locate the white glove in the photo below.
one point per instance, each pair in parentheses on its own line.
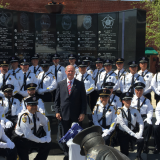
(105,133)
(9,124)
(148,121)
(138,136)
(157,122)
(3,125)
(10,145)
(3,145)
(43,140)
(48,139)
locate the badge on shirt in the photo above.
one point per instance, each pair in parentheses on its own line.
(115,100)
(9,78)
(37,119)
(135,114)
(30,77)
(14,102)
(109,77)
(109,110)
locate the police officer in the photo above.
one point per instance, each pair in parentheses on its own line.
(14,61)
(87,60)
(46,82)
(87,79)
(31,89)
(7,147)
(92,145)
(35,68)
(155,83)
(72,61)
(127,117)
(156,130)
(145,108)
(96,74)
(119,71)
(143,62)
(25,77)
(127,81)
(11,108)
(56,69)
(33,130)
(113,100)
(7,78)
(104,115)
(107,76)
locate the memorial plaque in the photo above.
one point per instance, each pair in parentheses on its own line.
(6,34)
(66,26)
(45,34)
(108,31)
(24,34)
(87,32)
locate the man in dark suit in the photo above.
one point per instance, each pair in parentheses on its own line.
(70,101)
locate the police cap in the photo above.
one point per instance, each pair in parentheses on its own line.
(14,59)
(107,62)
(119,60)
(83,64)
(35,56)
(25,61)
(44,63)
(139,85)
(86,59)
(8,87)
(104,93)
(98,60)
(32,101)
(109,85)
(127,96)
(55,56)
(72,56)
(143,60)
(4,63)
(31,86)
(133,64)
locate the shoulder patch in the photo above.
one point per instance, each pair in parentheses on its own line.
(118,111)
(24,118)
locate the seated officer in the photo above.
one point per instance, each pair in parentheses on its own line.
(30,132)
(156,130)
(113,100)
(145,108)
(104,116)
(46,83)
(11,108)
(86,78)
(127,118)
(31,89)
(35,68)
(7,147)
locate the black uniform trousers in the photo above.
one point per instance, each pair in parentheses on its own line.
(46,97)
(66,126)
(157,98)
(10,154)
(109,138)
(8,131)
(23,146)
(156,132)
(124,138)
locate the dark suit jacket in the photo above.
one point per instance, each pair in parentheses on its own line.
(70,106)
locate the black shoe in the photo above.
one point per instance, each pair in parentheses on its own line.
(156,151)
(131,147)
(66,158)
(145,148)
(139,158)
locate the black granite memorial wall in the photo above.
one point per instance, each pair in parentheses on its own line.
(109,35)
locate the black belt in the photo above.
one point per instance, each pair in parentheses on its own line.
(143,115)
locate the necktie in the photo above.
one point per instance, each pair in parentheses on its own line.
(13,73)
(138,104)
(118,73)
(42,81)
(24,82)
(34,70)
(9,108)
(132,89)
(104,119)
(35,128)
(129,118)
(96,78)
(3,79)
(82,78)
(142,74)
(56,72)
(69,87)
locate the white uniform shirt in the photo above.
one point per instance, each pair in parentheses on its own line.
(40,105)
(156,83)
(110,115)
(38,69)
(112,77)
(126,81)
(61,75)
(49,82)
(122,72)
(16,107)
(90,71)
(88,82)
(30,79)
(2,115)
(76,69)
(135,117)
(25,128)
(157,112)
(16,72)
(10,80)
(146,108)
(114,100)
(148,78)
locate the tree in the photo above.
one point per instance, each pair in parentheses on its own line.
(152,21)
(3,5)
